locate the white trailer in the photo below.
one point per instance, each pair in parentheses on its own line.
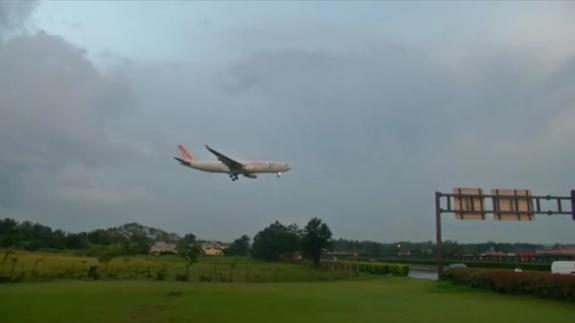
(563,267)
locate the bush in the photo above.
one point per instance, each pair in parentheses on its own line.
(93,273)
(161,274)
(183,277)
(531,283)
(367,267)
(403,270)
(205,278)
(5,278)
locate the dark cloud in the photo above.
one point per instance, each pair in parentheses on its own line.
(55,112)
(13,15)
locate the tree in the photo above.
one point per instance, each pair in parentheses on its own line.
(189,238)
(451,248)
(8,232)
(137,243)
(76,241)
(189,252)
(275,240)
(240,247)
(317,237)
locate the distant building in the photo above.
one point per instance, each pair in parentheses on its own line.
(294,256)
(162,247)
(404,253)
(542,255)
(338,255)
(564,252)
(213,248)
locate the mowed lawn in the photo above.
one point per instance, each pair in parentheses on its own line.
(389,299)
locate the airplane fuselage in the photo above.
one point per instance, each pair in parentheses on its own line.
(250,167)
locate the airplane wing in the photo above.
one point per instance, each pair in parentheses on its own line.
(232,164)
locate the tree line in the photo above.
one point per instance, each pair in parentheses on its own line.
(130,238)
(271,243)
(427,249)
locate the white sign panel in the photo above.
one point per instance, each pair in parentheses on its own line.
(468,203)
(512,205)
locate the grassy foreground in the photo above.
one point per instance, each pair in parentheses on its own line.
(383,300)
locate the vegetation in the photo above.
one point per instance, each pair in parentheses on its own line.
(316,239)
(190,253)
(508,282)
(240,247)
(375,268)
(22,266)
(128,239)
(421,250)
(133,238)
(106,275)
(389,299)
(276,240)
(472,264)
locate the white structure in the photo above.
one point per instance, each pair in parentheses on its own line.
(162,247)
(563,267)
(213,248)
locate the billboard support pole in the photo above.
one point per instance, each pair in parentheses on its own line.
(438,244)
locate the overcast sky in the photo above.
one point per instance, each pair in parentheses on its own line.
(374,105)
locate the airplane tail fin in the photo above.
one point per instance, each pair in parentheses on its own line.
(184,153)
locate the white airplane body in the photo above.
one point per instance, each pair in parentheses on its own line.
(229,166)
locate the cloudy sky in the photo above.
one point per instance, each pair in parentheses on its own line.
(374,105)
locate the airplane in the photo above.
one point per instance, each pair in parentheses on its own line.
(230,166)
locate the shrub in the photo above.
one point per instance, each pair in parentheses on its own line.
(93,273)
(5,278)
(161,274)
(205,278)
(183,277)
(19,277)
(368,267)
(403,270)
(531,283)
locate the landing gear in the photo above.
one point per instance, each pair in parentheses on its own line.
(279,174)
(234,177)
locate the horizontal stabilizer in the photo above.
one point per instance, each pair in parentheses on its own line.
(183,162)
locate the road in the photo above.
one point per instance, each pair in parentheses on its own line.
(418,272)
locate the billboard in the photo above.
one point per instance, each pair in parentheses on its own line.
(468,203)
(512,205)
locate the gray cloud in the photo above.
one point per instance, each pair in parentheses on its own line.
(13,15)
(55,112)
(370,137)
(370,124)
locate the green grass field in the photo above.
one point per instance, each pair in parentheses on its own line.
(56,287)
(388,299)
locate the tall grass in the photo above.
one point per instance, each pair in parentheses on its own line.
(18,266)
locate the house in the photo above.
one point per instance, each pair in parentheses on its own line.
(213,248)
(163,247)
